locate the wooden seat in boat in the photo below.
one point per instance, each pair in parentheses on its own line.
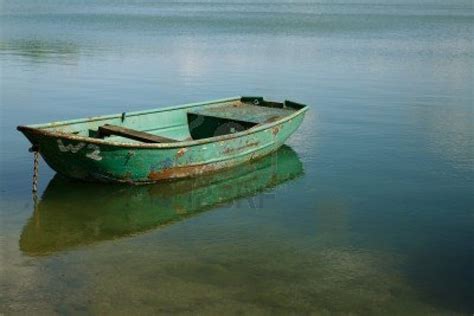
(108,130)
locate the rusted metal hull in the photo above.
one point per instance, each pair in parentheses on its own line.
(77,156)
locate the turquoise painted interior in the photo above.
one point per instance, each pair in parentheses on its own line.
(185,122)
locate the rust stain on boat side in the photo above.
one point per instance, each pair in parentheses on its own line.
(231,150)
(275,130)
(180,172)
(181,152)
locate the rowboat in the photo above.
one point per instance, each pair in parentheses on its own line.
(166,143)
(61,221)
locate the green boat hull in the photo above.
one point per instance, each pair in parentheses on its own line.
(71,149)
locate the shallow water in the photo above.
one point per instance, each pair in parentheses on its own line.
(368,211)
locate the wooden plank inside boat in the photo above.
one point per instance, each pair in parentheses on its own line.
(108,130)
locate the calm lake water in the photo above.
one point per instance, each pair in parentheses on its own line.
(368,210)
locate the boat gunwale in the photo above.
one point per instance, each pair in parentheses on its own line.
(40,129)
(128,114)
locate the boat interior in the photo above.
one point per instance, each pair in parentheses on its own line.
(182,123)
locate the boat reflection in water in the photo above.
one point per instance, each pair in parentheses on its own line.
(77,213)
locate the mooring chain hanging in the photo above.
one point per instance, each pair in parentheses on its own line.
(36,156)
